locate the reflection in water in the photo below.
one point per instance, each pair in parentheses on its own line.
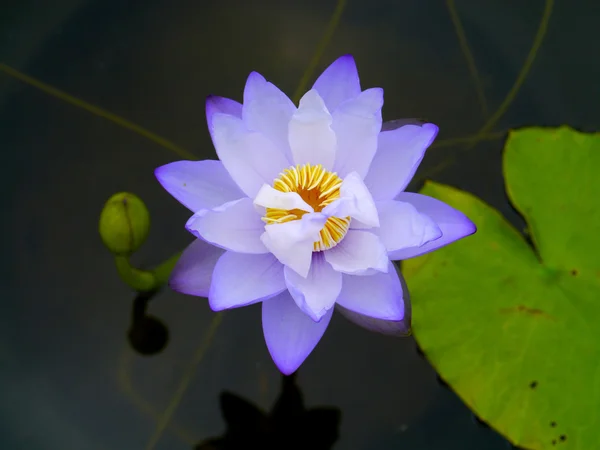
(289,425)
(147,334)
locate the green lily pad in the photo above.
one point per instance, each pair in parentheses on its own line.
(515,331)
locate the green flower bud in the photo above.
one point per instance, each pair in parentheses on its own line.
(124,223)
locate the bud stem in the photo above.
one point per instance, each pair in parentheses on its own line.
(145,280)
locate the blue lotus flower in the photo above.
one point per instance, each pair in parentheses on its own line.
(306,209)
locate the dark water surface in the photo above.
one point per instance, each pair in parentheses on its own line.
(68,378)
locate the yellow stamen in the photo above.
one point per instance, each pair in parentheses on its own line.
(318,188)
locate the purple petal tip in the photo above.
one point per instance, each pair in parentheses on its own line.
(210,101)
(473,228)
(254,75)
(434,129)
(159,173)
(431,126)
(286,370)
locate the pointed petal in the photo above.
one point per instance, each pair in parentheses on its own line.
(402,226)
(289,333)
(193,272)
(355,201)
(242,279)
(399,153)
(250,158)
(216,104)
(315,294)
(387,327)
(269,197)
(358,251)
(310,135)
(268,111)
(339,82)
(198,184)
(453,224)
(379,296)
(357,123)
(292,242)
(235,226)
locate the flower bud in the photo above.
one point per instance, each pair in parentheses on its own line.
(124,223)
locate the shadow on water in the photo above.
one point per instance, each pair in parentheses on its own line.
(289,425)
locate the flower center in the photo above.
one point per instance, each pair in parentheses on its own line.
(318,188)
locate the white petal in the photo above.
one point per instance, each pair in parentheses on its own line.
(268,110)
(272,198)
(355,201)
(289,333)
(242,279)
(292,242)
(316,294)
(379,296)
(193,272)
(250,158)
(399,153)
(358,251)
(234,226)
(198,184)
(357,124)
(310,135)
(402,226)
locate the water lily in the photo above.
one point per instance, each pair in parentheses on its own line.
(305,210)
